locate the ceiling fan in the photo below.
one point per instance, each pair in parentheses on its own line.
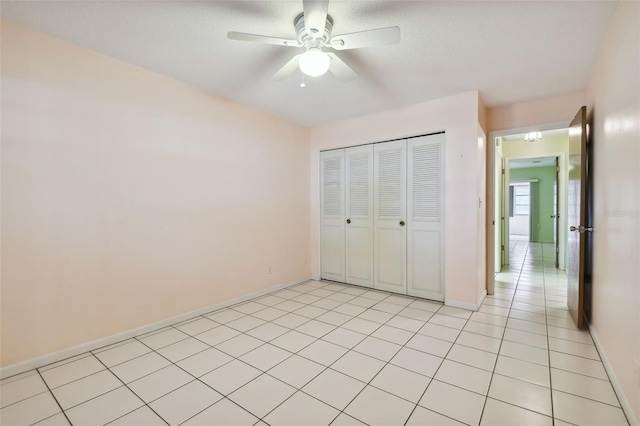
(313,27)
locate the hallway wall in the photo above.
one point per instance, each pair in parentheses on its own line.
(613,100)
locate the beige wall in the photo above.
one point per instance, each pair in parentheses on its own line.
(458,116)
(131,197)
(613,98)
(531,113)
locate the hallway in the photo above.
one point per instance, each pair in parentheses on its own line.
(541,346)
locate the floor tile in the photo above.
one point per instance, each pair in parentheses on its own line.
(464,376)
(248,307)
(367,303)
(336,389)
(361,325)
(527,316)
(453,402)
(344,337)
(416,314)
(262,395)
(293,341)
(289,306)
(217,335)
(526,338)
(393,334)
(349,309)
(185,402)
(447,321)
(163,338)
(224,316)
(429,345)
(399,300)
(579,365)
(139,367)
(160,383)
(315,328)
(439,332)
(491,319)
(322,352)
(573,348)
(523,394)
(401,382)
(21,388)
(484,329)
(81,390)
(327,304)
(197,326)
(268,331)
(291,320)
(581,411)
(105,408)
(417,361)
(586,387)
(525,353)
(425,305)
(230,377)
(115,355)
(302,409)
(377,348)
(143,416)
(265,357)
(71,371)
(498,413)
(204,362)
(579,336)
(310,311)
(390,308)
(523,370)
(376,316)
(30,410)
(473,357)
(478,341)
(183,349)
(296,371)
(57,420)
(269,314)
(405,323)
(376,407)
(334,318)
(306,299)
(239,345)
(223,412)
(346,420)
(245,323)
(421,417)
(531,327)
(358,366)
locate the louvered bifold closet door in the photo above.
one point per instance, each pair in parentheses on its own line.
(332,215)
(359,223)
(425,205)
(390,204)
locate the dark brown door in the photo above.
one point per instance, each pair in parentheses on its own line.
(577,191)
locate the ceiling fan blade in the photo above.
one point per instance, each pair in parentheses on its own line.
(287,69)
(340,69)
(315,16)
(232,35)
(379,37)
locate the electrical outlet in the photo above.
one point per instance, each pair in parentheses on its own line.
(269,268)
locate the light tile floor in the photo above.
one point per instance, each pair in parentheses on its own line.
(321,353)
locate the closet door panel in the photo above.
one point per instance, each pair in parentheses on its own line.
(332,215)
(390,232)
(425,201)
(359,208)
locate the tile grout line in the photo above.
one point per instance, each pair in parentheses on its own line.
(54,398)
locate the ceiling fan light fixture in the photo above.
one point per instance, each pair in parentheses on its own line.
(314,62)
(532,136)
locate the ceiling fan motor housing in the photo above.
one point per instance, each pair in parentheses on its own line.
(307,39)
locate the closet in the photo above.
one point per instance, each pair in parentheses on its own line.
(381,216)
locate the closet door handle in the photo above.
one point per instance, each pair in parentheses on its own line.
(402,223)
(348,220)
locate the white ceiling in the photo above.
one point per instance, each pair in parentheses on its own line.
(509,50)
(532,162)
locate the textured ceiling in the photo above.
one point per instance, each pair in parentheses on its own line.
(509,51)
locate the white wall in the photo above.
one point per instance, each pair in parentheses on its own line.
(128,197)
(613,99)
(458,116)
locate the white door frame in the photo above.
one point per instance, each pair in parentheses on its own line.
(491,158)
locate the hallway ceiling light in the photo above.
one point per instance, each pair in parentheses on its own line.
(532,136)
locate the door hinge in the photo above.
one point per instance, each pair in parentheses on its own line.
(502,171)
(503,247)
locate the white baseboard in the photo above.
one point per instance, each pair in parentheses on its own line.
(624,402)
(30,364)
(462,305)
